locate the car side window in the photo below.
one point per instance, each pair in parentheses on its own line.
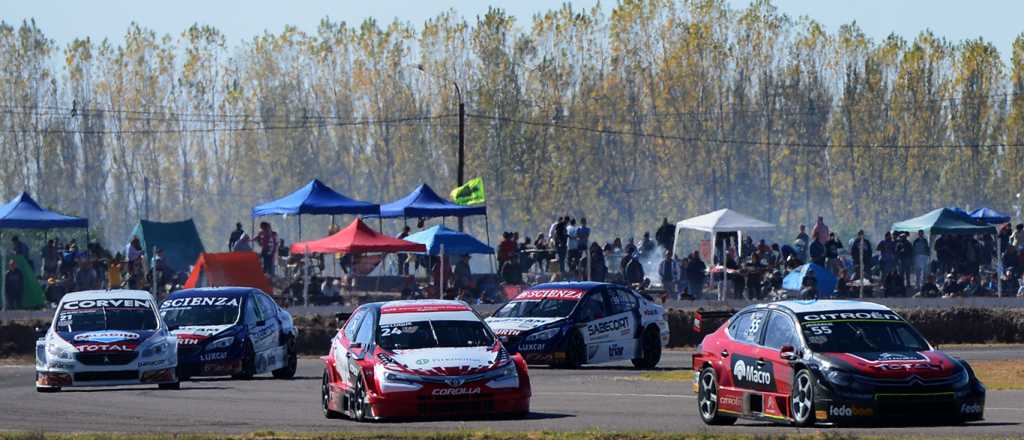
(746,328)
(353,324)
(251,313)
(267,306)
(738,325)
(592,307)
(622,301)
(781,331)
(366,331)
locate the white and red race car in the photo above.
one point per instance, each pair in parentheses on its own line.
(427,358)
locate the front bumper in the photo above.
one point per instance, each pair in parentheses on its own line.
(427,403)
(61,374)
(898,406)
(197,361)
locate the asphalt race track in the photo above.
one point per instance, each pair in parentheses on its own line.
(601,397)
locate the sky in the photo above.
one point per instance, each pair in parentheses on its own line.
(997,21)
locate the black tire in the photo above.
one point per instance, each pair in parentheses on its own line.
(801,399)
(575,351)
(288,371)
(360,409)
(170,386)
(248,363)
(325,396)
(47,389)
(650,349)
(707,399)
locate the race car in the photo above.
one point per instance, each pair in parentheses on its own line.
(237,331)
(570,324)
(425,358)
(104,338)
(831,362)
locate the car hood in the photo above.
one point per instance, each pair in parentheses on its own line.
(199,333)
(516,326)
(445,361)
(107,340)
(895,364)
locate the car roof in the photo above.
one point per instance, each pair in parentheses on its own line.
(215,291)
(426,303)
(106,294)
(824,305)
(579,285)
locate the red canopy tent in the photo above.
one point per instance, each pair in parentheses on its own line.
(357,238)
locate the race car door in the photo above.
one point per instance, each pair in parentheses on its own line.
(748,370)
(341,345)
(781,331)
(626,309)
(602,330)
(274,352)
(261,333)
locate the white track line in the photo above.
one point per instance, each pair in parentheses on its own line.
(580,393)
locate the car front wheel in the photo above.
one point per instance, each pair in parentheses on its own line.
(801,399)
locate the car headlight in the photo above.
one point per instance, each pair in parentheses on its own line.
(505,377)
(838,377)
(962,379)
(156,349)
(397,382)
(221,343)
(543,335)
(59,352)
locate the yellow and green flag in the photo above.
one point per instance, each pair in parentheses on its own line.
(471,193)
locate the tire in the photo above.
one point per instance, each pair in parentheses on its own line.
(248,363)
(707,399)
(170,386)
(325,396)
(575,351)
(360,409)
(650,349)
(801,399)
(47,389)
(288,371)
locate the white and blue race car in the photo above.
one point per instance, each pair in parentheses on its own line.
(236,331)
(570,324)
(104,338)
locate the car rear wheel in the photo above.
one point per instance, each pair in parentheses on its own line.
(248,363)
(325,398)
(707,399)
(650,349)
(292,363)
(801,399)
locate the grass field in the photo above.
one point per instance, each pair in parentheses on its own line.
(995,374)
(454,435)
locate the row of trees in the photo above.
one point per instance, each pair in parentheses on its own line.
(661,109)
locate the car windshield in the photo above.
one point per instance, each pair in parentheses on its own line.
(862,337)
(105,318)
(184,313)
(431,334)
(542,308)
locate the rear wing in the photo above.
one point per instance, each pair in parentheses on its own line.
(707,321)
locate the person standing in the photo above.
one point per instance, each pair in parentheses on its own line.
(922,253)
(832,247)
(887,254)
(905,255)
(14,284)
(235,235)
(51,258)
(267,239)
(668,272)
(860,251)
(665,234)
(403,258)
(695,275)
(820,231)
(561,239)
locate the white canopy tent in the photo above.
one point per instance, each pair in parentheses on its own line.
(723,220)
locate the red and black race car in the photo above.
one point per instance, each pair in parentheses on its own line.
(829,362)
(428,358)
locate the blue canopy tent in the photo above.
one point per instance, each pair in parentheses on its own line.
(825,281)
(314,198)
(22,212)
(454,242)
(990,216)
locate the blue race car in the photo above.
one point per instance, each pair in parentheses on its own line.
(236,331)
(570,324)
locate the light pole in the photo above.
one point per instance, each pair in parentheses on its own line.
(460,170)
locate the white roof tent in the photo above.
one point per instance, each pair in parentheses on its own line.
(723,220)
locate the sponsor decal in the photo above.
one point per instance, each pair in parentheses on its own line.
(730,401)
(106,336)
(217,356)
(456,391)
(454,382)
(507,332)
(425,308)
(200,301)
(558,294)
(155,363)
(422,361)
(890,357)
(747,373)
(971,408)
(906,367)
(839,316)
(821,414)
(652,312)
(109,303)
(850,411)
(60,365)
(600,328)
(94,348)
(615,350)
(188,340)
(531,347)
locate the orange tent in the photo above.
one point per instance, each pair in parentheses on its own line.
(229,269)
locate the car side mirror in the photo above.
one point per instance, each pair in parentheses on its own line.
(787,352)
(41,332)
